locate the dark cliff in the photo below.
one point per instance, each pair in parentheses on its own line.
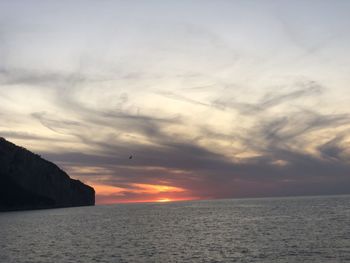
(29,182)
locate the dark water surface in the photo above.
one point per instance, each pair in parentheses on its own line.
(303,229)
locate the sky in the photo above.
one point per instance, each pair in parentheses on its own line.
(213,99)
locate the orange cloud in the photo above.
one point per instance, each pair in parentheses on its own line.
(137,192)
(108,189)
(154,188)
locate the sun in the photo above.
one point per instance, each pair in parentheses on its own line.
(163,200)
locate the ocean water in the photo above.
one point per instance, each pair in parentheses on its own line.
(303,229)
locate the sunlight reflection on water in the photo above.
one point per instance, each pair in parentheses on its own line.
(304,229)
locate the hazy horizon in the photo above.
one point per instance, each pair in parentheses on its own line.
(212,99)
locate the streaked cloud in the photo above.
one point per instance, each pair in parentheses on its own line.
(212,100)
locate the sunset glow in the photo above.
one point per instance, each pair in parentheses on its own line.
(107,194)
(181,100)
(164,200)
(174,131)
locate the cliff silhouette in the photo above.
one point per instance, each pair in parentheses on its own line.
(28,181)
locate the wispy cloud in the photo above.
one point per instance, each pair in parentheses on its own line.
(198,103)
(310,88)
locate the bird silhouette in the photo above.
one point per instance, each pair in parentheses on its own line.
(130,157)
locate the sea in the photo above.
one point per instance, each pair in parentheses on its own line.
(294,229)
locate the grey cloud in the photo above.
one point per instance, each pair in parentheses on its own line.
(332,149)
(178,97)
(24,136)
(300,41)
(54,124)
(288,127)
(282,164)
(202,171)
(209,174)
(38,78)
(269,100)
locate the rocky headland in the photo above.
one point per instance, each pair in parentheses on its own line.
(28,181)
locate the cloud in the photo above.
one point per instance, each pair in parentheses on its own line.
(334,149)
(54,124)
(178,97)
(282,160)
(310,88)
(23,136)
(199,108)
